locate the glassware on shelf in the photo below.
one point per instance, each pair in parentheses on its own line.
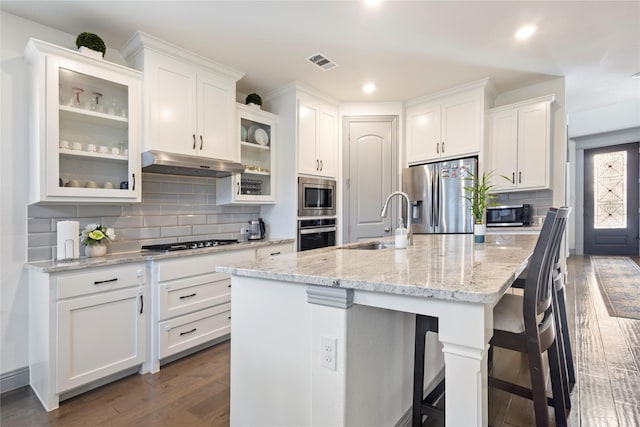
(75,101)
(63,97)
(95,104)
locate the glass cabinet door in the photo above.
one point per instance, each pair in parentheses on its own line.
(91,112)
(256,132)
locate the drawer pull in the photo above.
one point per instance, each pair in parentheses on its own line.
(188,332)
(100,282)
(141,304)
(188,296)
(274,253)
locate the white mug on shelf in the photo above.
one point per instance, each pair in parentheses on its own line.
(103,149)
(115,150)
(77,145)
(65,144)
(92,148)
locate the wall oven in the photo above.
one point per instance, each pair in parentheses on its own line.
(316,233)
(316,197)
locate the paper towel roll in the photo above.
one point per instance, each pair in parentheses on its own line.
(68,240)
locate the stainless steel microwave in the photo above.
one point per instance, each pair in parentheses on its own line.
(509,216)
(316,197)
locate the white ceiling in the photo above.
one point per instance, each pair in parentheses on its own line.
(408,48)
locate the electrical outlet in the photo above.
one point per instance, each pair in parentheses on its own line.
(328,352)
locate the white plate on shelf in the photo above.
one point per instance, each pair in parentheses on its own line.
(258,135)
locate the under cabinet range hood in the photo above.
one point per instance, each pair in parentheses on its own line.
(182,164)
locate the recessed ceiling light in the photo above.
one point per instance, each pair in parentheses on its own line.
(372,3)
(635,76)
(525,32)
(368,88)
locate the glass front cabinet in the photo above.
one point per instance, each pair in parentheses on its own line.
(84,129)
(256,136)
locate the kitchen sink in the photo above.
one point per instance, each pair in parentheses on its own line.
(371,246)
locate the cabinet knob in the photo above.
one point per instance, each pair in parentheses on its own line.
(238,190)
(133,178)
(321,165)
(513,177)
(201,142)
(387,229)
(437,147)
(442,146)
(519,177)
(194,141)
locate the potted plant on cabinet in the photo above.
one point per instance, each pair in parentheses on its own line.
(479,196)
(93,43)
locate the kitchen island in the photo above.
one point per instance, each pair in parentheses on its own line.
(325,337)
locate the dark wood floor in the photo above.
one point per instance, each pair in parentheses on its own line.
(194,391)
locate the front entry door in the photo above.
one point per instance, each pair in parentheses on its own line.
(611,200)
(370,177)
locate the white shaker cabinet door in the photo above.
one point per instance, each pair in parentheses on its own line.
(99,335)
(423,133)
(173,109)
(307,134)
(216,108)
(327,148)
(533,146)
(504,148)
(461,131)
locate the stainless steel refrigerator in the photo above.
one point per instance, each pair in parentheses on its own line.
(437,196)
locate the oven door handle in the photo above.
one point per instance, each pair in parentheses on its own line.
(317,230)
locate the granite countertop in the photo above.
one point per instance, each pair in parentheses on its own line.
(121,258)
(450,267)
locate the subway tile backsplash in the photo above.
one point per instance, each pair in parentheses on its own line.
(173,209)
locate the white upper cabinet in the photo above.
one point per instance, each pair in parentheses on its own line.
(520,141)
(189,100)
(256,138)
(446,126)
(85,127)
(317,137)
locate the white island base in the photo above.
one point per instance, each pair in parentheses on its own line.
(277,377)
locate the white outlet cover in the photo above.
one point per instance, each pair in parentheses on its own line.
(328,350)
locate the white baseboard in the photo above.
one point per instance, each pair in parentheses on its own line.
(14,379)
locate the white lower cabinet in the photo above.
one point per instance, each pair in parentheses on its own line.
(192,303)
(85,327)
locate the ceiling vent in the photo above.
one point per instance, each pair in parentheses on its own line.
(322,61)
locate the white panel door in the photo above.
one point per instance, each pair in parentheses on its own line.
(533,146)
(173,109)
(99,335)
(216,105)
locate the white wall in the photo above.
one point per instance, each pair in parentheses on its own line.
(14,180)
(625,115)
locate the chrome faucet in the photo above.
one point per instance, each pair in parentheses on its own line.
(384,212)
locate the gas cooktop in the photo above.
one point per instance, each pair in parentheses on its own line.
(181,246)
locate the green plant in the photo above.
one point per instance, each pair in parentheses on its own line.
(479,194)
(253,98)
(92,41)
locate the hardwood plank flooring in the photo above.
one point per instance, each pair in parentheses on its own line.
(194,391)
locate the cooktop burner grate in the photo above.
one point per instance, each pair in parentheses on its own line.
(181,246)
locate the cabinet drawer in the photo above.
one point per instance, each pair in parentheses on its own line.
(101,279)
(274,250)
(194,293)
(193,329)
(178,268)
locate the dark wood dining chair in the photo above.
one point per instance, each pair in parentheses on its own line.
(526,323)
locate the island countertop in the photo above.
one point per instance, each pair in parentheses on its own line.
(449,267)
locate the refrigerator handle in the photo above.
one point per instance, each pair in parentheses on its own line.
(438,198)
(433,201)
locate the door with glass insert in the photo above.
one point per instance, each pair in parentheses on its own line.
(611,200)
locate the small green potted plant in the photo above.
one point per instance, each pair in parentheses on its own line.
(253,100)
(479,196)
(92,42)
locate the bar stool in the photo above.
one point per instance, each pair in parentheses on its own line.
(526,323)
(424,405)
